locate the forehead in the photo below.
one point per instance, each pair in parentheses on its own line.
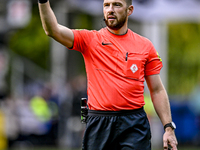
(114,1)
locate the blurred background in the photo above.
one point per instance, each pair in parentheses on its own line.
(41,82)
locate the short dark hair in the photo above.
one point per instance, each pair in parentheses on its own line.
(129,2)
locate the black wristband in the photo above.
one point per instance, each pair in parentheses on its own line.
(42,1)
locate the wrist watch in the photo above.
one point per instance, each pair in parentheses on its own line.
(171,124)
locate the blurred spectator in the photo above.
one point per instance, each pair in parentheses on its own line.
(79,90)
(74,126)
(32,121)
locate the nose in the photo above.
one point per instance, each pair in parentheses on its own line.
(110,9)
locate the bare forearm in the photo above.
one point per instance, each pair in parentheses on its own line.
(162,106)
(49,21)
(51,27)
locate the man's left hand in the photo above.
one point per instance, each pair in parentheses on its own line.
(169,138)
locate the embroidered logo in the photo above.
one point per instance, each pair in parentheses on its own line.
(103,43)
(134,68)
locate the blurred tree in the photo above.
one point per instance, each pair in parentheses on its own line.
(31,41)
(184,62)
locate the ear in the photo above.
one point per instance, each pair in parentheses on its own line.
(130,10)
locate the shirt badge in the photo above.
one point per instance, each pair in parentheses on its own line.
(134,68)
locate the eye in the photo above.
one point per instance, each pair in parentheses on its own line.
(106,4)
(117,4)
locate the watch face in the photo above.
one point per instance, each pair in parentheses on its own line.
(173,124)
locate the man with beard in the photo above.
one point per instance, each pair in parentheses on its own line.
(117,62)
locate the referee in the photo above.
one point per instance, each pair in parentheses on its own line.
(117,61)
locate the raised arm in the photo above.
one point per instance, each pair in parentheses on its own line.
(161,104)
(51,27)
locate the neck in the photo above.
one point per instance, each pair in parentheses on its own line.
(120,31)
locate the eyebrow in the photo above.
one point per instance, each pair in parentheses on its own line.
(114,3)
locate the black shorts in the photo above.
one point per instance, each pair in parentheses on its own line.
(117,130)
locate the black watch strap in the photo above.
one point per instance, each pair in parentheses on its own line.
(171,124)
(42,1)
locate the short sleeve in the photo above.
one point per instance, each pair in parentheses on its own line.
(154,63)
(82,39)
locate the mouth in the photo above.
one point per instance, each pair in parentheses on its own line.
(111,17)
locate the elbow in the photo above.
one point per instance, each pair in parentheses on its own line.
(50,30)
(49,33)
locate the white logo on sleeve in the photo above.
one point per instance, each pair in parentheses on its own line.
(134,68)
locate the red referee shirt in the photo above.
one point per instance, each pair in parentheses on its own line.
(116,66)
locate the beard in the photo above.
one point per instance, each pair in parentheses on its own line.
(117,24)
